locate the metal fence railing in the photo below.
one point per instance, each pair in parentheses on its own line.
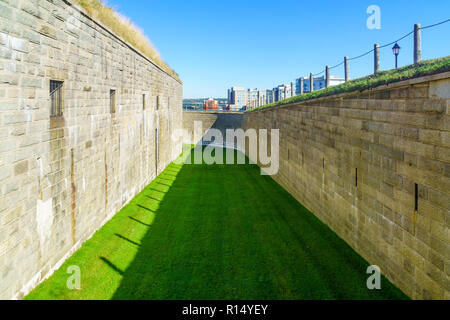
(296,87)
(322,79)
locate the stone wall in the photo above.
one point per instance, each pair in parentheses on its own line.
(358,161)
(62,178)
(210,119)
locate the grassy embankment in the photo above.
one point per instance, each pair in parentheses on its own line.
(423,68)
(124,28)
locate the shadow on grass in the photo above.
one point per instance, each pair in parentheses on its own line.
(112,266)
(139,221)
(126,239)
(230,233)
(218,232)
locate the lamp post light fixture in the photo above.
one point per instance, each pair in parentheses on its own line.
(396,50)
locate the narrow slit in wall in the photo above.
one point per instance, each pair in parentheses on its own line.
(416,206)
(416,197)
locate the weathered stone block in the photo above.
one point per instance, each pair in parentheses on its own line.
(438,106)
(47,31)
(5,12)
(32,36)
(14,118)
(21,167)
(31,82)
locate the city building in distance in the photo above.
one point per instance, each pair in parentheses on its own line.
(240,99)
(211,104)
(283,91)
(252,98)
(193,104)
(318,82)
(237,98)
(262,97)
(198,104)
(269,96)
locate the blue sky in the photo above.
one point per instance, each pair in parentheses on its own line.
(216,44)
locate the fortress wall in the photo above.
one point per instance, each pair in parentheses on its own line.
(62,178)
(355,160)
(209,120)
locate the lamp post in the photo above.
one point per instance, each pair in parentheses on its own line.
(396,50)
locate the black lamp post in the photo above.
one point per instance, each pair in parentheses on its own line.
(396,50)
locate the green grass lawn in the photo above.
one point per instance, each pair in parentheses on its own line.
(215,232)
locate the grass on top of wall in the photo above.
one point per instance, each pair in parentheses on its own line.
(125,28)
(423,68)
(215,232)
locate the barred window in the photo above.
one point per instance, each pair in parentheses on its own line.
(112,101)
(143,101)
(56,98)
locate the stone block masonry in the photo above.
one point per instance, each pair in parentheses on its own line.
(62,178)
(221,121)
(375,167)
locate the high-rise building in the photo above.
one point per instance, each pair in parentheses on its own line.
(252,98)
(262,98)
(288,90)
(300,85)
(283,91)
(237,97)
(269,96)
(276,94)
